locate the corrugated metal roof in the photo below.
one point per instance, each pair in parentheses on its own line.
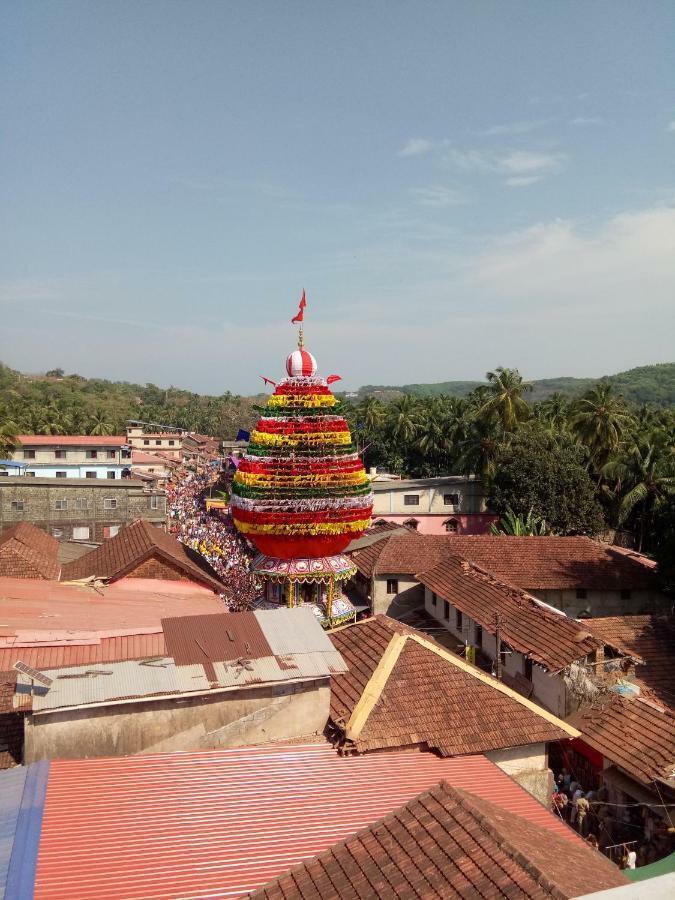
(293,631)
(221,823)
(81,685)
(55,650)
(11,791)
(216,638)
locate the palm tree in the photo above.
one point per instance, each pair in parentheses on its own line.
(505,398)
(479,448)
(645,478)
(553,414)
(99,423)
(371,414)
(600,420)
(8,440)
(404,422)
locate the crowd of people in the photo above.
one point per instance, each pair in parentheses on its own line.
(211,533)
(600,822)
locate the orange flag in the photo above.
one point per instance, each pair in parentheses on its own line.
(301,309)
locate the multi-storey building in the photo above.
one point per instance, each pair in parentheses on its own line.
(79,508)
(169,443)
(453,504)
(70,456)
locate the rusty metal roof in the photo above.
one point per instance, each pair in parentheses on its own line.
(221,823)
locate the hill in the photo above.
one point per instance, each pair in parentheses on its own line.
(653,385)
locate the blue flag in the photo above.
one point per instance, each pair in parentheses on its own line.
(243,435)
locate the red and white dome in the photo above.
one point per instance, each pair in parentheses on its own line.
(300,363)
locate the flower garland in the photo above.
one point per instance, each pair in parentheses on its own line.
(301,480)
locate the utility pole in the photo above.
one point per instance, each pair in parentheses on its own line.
(498,644)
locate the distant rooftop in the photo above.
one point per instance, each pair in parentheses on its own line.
(71,440)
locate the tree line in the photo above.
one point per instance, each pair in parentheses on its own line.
(566,466)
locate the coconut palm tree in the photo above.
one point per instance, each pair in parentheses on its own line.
(404,419)
(505,399)
(371,413)
(600,420)
(99,423)
(644,474)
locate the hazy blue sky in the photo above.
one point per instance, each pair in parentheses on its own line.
(458,185)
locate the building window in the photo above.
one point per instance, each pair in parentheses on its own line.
(29,454)
(111,454)
(61,474)
(451,525)
(154,502)
(18,505)
(60,504)
(392,585)
(30,475)
(411,523)
(158,443)
(110,503)
(626,594)
(446,610)
(4,474)
(582,593)
(411,499)
(82,503)
(171,443)
(478,635)
(458,619)
(434,600)
(111,475)
(59,454)
(528,669)
(91,474)
(451,499)
(92,454)
(81,533)
(110,531)
(146,443)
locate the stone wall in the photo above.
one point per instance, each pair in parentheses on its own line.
(85,504)
(204,722)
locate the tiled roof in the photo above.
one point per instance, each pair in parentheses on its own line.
(555,562)
(651,641)
(448,843)
(402,690)
(139,457)
(531,563)
(70,440)
(134,544)
(223,823)
(132,605)
(548,638)
(636,735)
(29,552)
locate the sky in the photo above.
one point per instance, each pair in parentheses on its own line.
(457,186)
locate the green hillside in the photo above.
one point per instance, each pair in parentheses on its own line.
(647,384)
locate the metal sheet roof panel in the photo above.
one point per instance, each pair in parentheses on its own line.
(292,631)
(221,823)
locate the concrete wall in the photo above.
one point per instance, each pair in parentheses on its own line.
(410,595)
(528,766)
(604,603)
(108,471)
(85,504)
(229,719)
(46,456)
(391,499)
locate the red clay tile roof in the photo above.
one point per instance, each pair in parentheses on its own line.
(531,563)
(555,562)
(29,552)
(636,735)
(448,843)
(425,699)
(70,440)
(548,638)
(650,640)
(136,543)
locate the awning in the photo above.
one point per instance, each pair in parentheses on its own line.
(663,867)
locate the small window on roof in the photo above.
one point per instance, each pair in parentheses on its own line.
(451,525)
(411,523)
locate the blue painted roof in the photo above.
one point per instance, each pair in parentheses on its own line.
(22,802)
